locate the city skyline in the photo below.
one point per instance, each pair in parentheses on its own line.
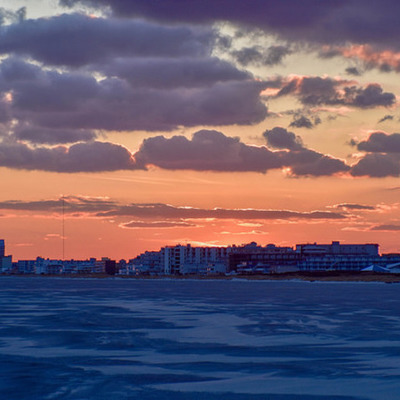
(249,246)
(126,126)
(246,259)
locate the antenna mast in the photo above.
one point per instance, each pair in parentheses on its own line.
(63,229)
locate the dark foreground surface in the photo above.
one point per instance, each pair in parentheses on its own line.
(193,339)
(322,276)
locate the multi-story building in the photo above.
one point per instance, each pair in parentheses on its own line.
(5,261)
(336,248)
(246,259)
(194,260)
(6,265)
(252,259)
(150,262)
(26,266)
(336,256)
(2,248)
(46,266)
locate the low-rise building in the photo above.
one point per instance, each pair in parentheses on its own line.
(254,259)
(337,256)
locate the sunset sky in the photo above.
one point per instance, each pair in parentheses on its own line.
(144,123)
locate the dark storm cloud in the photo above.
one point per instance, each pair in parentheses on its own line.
(376,165)
(37,90)
(353,71)
(206,151)
(41,135)
(301,122)
(169,73)
(76,40)
(382,158)
(276,54)
(259,12)
(328,21)
(65,100)
(119,107)
(280,138)
(380,142)
(302,161)
(371,96)
(313,91)
(15,70)
(248,55)
(5,112)
(81,157)
(256,55)
(213,151)
(311,163)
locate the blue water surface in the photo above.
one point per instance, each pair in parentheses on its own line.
(100,339)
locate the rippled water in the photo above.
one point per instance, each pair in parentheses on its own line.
(173,339)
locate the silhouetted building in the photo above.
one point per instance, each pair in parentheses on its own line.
(148,263)
(110,267)
(194,260)
(338,257)
(335,248)
(252,259)
(26,266)
(2,248)
(6,265)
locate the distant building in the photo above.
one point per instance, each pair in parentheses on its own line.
(2,248)
(194,260)
(149,263)
(6,265)
(335,248)
(246,259)
(110,267)
(26,266)
(251,259)
(336,256)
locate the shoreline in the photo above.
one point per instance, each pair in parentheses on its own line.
(299,276)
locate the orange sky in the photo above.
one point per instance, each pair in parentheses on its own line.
(274,137)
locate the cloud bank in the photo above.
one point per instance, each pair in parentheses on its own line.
(107,208)
(313,21)
(49,99)
(81,157)
(207,150)
(213,151)
(382,156)
(314,91)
